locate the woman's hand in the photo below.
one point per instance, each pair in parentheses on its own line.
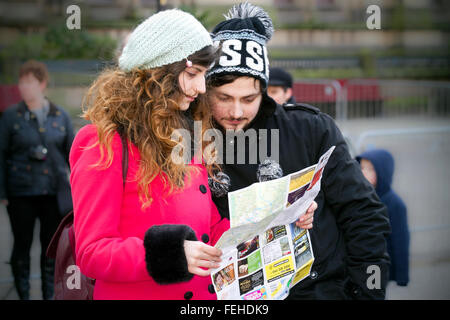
(200,255)
(306,220)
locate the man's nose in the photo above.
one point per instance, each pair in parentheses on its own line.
(236,111)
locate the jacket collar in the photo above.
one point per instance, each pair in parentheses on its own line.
(52,111)
(268,105)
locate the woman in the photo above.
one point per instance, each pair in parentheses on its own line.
(141,241)
(36,136)
(154,237)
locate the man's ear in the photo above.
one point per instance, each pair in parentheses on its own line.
(288,93)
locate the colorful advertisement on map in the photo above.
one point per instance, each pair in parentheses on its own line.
(264,252)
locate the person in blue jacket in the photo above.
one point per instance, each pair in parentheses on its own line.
(377,166)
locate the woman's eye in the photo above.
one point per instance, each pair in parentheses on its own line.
(191,75)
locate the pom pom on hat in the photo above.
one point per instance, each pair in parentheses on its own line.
(166,37)
(220,185)
(243,36)
(269,170)
(246,10)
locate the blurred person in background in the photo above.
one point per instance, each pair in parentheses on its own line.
(377,165)
(36,137)
(280,86)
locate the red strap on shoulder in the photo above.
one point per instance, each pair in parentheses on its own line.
(66,221)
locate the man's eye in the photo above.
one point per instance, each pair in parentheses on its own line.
(223,98)
(249,100)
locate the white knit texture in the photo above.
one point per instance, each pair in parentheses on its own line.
(165,37)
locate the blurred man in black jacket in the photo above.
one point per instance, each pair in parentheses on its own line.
(280,86)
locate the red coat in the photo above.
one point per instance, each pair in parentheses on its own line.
(110,225)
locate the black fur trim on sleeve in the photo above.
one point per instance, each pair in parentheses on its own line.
(164,252)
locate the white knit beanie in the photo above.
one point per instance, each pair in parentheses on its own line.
(165,37)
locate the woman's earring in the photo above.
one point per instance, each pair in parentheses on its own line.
(188,63)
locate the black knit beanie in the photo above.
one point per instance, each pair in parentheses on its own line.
(243,36)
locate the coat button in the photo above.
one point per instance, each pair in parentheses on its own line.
(211,289)
(45,171)
(205,238)
(356,292)
(202,188)
(313,275)
(188,295)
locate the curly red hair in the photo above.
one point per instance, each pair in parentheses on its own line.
(143,105)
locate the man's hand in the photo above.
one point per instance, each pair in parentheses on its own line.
(200,255)
(306,220)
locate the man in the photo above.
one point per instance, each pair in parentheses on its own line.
(350,224)
(280,86)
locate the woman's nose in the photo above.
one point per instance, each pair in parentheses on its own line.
(201,85)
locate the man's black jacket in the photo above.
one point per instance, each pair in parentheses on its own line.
(350,224)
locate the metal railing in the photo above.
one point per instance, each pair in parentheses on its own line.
(342,99)
(367,98)
(394,139)
(393,132)
(323,93)
(387,98)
